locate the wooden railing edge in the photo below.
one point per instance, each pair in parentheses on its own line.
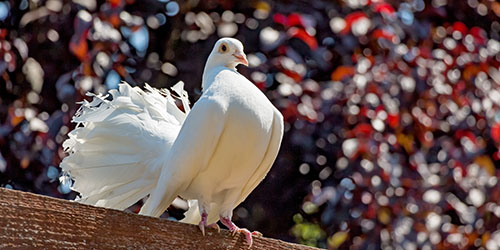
(29,220)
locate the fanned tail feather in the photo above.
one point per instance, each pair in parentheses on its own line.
(117,150)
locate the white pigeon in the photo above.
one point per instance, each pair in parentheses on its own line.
(133,147)
(226,145)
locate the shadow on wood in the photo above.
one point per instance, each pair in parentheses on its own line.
(33,221)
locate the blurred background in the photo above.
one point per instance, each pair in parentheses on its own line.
(391,107)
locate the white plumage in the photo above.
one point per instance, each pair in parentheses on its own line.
(117,150)
(140,143)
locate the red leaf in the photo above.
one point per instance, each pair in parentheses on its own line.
(351,18)
(384,34)
(304,36)
(495,132)
(363,129)
(295,19)
(479,35)
(460,27)
(385,8)
(393,120)
(280,18)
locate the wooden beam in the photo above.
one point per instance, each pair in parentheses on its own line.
(34,221)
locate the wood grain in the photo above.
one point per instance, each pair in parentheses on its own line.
(34,221)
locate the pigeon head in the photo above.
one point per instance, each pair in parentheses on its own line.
(227,52)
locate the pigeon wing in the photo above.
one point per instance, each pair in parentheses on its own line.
(268,160)
(190,153)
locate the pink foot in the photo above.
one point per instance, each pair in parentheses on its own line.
(235,229)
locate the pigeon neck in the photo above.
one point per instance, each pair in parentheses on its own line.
(210,72)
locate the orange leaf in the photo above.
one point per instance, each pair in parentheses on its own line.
(384,215)
(115,3)
(79,48)
(485,162)
(470,71)
(114,20)
(341,72)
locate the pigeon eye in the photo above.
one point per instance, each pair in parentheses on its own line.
(223,48)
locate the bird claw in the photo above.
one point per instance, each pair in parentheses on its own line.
(247,233)
(234,229)
(201,225)
(257,234)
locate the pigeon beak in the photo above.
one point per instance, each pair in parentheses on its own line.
(241,58)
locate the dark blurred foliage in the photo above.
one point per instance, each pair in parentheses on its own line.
(391,107)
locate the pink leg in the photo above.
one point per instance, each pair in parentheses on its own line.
(235,229)
(203,222)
